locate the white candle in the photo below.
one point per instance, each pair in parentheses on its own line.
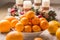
(45,3)
(36,7)
(19,1)
(27,4)
(37,1)
(37,4)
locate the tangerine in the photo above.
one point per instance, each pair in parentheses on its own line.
(19,27)
(14,22)
(28,28)
(24,21)
(14,35)
(10,18)
(30,14)
(36,28)
(5,26)
(44,24)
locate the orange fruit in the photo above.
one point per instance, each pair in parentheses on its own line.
(53,26)
(24,21)
(14,22)
(30,23)
(5,26)
(28,28)
(38,39)
(19,27)
(58,33)
(41,19)
(10,18)
(35,21)
(14,35)
(36,28)
(22,16)
(30,14)
(44,24)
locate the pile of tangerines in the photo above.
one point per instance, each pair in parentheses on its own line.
(28,22)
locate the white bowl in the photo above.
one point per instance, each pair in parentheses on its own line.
(31,36)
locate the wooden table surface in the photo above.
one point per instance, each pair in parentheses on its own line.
(45,34)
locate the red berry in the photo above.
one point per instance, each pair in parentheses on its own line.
(39,16)
(12,10)
(21,13)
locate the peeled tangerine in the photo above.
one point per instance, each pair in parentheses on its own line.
(10,18)
(13,23)
(38,39)
(30,14)
(53,26)
(35,20)
(24,21)
(36,28)
(58,33)
(14,35)
(5,26)
(44,24)
(19,27)
(28,28)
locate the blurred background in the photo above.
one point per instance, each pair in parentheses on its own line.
(2,2)
(5,4)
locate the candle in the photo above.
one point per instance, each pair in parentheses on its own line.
(37,4)
(46,4)
(19,4)
(37,1)
(27,5)
(19,1)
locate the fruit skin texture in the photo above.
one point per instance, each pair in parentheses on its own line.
(22,16)
(36,28)
(13,23)
(5,26)
(19,27)
(41,19)
(30,14)
(14,35)
(10,18)
(53,26)
(24,21)
(35,21)
(58,33)
(44,24)
(38,39)
(28,28)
